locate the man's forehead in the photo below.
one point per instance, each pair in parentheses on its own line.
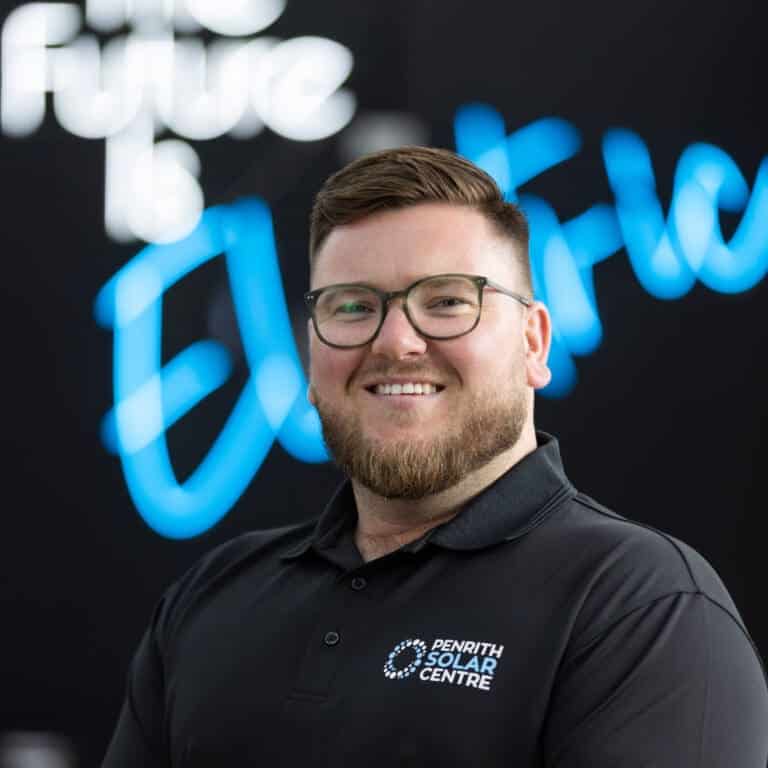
(397,247)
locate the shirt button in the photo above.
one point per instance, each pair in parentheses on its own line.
(359,583)
(331,638)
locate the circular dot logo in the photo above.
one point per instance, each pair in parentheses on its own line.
(413,652)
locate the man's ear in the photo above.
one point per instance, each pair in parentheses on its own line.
(538,339)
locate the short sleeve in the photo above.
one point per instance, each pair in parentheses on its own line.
(138,736)
(676,683)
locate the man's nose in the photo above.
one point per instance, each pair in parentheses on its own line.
(397,338)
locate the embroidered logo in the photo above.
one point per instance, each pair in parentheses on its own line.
(470,663)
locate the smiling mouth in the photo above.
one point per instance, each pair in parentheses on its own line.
(407,388)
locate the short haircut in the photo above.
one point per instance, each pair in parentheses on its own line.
(406,176)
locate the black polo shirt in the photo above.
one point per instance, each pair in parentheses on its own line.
(535,628)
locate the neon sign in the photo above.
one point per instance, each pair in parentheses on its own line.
(149,397)
(668,254)
(138,84)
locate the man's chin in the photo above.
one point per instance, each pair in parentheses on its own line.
(394,437)
(420,460)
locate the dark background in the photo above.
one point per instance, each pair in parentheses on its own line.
(665,422)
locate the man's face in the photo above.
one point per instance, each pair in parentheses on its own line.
(413,445)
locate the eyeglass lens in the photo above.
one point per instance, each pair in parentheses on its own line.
(440,307)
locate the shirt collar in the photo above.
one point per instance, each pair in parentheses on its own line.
(507,509)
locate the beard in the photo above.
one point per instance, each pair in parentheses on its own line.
(413,468)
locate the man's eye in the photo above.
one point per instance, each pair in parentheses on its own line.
(352,308)
(447,301)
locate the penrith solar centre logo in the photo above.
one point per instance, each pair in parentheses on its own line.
(467,663)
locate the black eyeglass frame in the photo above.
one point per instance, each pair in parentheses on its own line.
(310,299)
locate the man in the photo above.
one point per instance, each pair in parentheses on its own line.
(458,602)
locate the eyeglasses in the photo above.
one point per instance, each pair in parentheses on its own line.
(438,307)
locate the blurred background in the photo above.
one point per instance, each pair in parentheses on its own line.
(632,134)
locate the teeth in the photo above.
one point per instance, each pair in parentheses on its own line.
(409,388)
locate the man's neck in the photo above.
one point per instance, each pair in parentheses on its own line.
(384,525)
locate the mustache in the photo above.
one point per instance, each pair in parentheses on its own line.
(415,370)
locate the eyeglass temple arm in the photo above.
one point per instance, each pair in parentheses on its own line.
(526,302)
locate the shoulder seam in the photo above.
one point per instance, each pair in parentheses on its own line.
(584,501)
(744,631)
(677,593)
(591,639)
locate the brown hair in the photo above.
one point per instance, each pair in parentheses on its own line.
(398,178)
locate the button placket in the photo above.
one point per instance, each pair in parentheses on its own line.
(339,621)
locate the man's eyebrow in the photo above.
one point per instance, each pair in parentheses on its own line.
(351,284)
(368,284)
